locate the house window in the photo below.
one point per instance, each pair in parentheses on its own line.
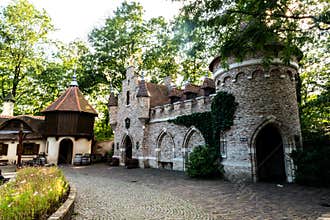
(3,149)
(127,98)
(30,149)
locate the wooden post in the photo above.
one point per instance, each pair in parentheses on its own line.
(20,145)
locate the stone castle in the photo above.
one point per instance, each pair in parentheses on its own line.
(257,147)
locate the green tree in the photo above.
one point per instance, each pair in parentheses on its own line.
(125,38)
(240,27)
(237,27)
(23,32)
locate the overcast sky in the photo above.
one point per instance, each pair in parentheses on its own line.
(74,19)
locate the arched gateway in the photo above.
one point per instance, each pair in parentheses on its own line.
(270,164)
(65,152)
(128,147)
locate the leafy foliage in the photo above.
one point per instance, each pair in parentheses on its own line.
(23,31)
(223,111)
(239,27)
(201,121)
(126,39)
(102,129)
(312,163)
(204,163)
(210,124)
(35,194)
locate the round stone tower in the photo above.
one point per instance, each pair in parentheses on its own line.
(266,126)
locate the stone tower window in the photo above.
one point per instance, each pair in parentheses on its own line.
(223,146)
(127,98)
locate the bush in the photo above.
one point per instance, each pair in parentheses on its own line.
(312,163)
(114,162)
(132,163)
(35,194)
(204,163)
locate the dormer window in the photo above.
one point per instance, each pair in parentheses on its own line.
(190,95)
(127,98)
(174,99)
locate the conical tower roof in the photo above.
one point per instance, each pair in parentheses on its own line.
(143,89)
(71,100)
(113,100)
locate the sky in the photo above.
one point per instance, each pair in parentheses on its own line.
(74,19)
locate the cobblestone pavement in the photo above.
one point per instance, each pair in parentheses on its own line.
(117,193)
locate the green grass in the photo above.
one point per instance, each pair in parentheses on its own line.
(35,194)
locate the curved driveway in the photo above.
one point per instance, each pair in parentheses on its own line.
(117,193)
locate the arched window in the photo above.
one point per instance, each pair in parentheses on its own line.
(127,98)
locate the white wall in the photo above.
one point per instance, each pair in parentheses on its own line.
(81,145)
(12,150)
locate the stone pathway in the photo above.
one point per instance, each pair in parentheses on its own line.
(117,193)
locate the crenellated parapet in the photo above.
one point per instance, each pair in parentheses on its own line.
(251,68)
(249,73)
(184,107)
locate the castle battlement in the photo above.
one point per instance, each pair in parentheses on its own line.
(185,107)
(250,69)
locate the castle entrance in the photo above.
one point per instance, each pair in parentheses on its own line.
(65,152)
(270,155)
(128,148)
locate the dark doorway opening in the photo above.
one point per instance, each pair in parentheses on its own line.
(270,155)
(128,148)
(65,152)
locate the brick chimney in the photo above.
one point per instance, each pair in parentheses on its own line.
(8,105)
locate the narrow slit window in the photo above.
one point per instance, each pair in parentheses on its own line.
(127,98)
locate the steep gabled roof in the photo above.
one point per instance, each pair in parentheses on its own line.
(71,100)
(158,94)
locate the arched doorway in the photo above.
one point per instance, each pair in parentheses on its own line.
(270,155)
(65,152)
(128,148)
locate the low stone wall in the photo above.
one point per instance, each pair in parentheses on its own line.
(66,210)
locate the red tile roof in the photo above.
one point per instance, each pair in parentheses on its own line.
(208,83)
(71,100)
(158,94)
(192,89)
(175,92)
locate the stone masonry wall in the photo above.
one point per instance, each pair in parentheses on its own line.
(264,96)
(136,129)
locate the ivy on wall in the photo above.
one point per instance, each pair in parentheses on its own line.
(211,124)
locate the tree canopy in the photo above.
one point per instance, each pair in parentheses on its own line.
(23,31)
(36,70)
(237,27)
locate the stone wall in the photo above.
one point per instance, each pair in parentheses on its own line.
(132,112)
(265,96)
(165,138)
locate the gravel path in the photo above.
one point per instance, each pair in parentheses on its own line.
(117,193)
